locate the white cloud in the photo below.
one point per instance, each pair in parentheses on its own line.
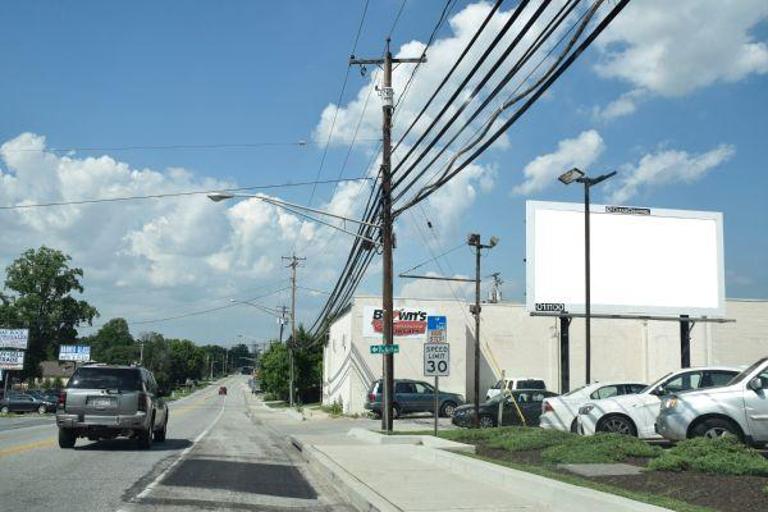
(671,48)
(624,105)
(177,250)
(543,171)
(668,166)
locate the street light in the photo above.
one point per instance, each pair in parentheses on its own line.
(474,240)
(578,176)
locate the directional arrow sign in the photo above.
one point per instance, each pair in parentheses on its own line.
(385,349)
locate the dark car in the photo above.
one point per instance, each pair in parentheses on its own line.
(48,398)
(412,396)
(22,402)
(222,390)
(512,405)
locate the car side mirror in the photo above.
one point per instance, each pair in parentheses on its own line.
(659,391)
(755,384)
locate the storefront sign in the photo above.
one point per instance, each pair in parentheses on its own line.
(14,338)
(79,353)
(11,360)
(408,322)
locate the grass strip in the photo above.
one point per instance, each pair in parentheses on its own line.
(724,456)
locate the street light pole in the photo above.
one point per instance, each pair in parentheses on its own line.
(578,176)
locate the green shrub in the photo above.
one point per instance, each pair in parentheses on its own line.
(529,438)
(334,409)
(725,456)
(601,448)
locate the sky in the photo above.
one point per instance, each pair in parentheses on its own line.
(673,96)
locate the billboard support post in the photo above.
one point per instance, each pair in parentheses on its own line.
(565,368)
(685,341)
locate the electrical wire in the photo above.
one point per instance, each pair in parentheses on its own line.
(172,194)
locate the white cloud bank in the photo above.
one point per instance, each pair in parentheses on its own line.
(666,167)
(672,48)
(581,151)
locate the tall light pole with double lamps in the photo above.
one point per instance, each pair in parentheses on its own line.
(578,176)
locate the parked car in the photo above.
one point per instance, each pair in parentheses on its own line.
(511,383)
(22,402)
(560,412)
(49,399)
(104,402)
(636,414)
(738,409)
(412,396)
(511,406)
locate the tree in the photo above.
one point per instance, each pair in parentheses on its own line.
(274,370)
(187,361)
(41,283)
(113,343)
(239,355)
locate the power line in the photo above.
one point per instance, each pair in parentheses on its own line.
(434,258)
(173,194)
(397,19)
(244,145)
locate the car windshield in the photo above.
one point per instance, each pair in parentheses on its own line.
(653,385)
(106,378)
(743,375)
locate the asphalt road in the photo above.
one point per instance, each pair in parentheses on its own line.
(219,455)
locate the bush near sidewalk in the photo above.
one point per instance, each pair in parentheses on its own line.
(725,456)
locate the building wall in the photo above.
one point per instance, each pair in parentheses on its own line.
(519,345)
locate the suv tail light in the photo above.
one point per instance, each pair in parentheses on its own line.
(62,399)
(143,402)
(546,407)
(371,397)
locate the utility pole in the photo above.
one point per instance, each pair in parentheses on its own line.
(283,312)
(474,240)
(387,238)
(294,263)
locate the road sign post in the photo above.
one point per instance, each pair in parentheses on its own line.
(437,356)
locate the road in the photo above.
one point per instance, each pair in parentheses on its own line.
(220,454)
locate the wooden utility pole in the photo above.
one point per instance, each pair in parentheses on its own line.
(387,238)
(294,263)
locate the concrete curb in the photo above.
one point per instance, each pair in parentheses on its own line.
(550,492)
(361,496)
(436,443)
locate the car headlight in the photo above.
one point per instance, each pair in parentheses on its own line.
(669,403)
(586,409)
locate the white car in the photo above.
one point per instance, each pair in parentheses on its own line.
(635,415)
(739,409)
(559,413)
(510,383)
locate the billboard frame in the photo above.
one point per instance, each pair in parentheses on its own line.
(625,311)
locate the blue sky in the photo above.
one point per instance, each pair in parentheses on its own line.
(690,132)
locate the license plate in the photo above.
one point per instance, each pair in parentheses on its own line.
(101,402)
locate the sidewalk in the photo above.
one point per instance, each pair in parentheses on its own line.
(407,473)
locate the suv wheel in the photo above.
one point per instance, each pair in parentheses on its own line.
(618,425)
(144,438)
(447,409)
(4,409)
(160,434)
(67,438)
(42,409)
(715,428)
(396,412)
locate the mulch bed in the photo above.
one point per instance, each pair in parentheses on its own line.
(719,492)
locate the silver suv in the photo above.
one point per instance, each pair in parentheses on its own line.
(104,402)
(740,408)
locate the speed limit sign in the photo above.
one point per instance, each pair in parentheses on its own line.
(437,359)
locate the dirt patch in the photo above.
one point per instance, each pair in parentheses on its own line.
(723,493)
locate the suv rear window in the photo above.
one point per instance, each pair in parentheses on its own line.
(530,384)
(106,378)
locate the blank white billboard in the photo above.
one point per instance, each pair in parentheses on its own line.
(644,261)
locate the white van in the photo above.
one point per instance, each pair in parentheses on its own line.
(510,383)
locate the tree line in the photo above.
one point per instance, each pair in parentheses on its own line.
(38,295)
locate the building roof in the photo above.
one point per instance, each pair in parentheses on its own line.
(53,369)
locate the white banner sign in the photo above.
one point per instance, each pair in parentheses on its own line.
(14,338)
(11,360)
(81,353)
(408,323)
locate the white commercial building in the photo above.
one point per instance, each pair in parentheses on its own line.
(518,344)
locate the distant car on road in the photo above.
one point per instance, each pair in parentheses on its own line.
(512,383)
(412,396)
(636,414)
(560,412)
(22,402)
(739,409)
(222,390)
(104,402)
(512,405)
